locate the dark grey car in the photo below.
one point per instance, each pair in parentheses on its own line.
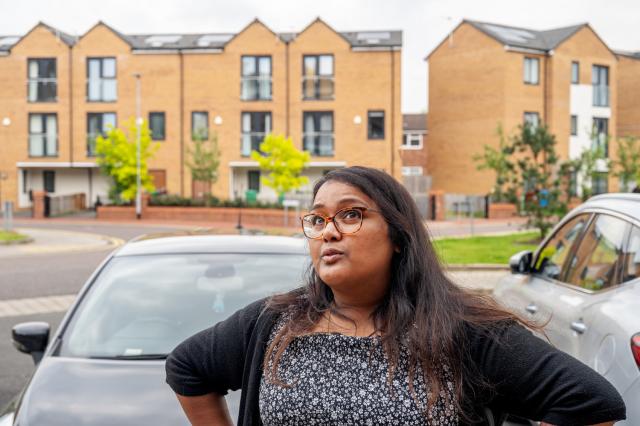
(105,363)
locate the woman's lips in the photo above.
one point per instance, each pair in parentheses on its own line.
(332,258)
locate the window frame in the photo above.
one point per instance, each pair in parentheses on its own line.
(43,116)
(257,77)
(531,113)
(193,122)
(164,125)
(414,168)
(530,81)
(596,134)
(317,115)
(575,65)
(405,137)
(38,80)
(317,77)
(573,125)
(251,134)
(90,153)
(101,78)
(370,135)
(249,174)
(605,102)
(52,174)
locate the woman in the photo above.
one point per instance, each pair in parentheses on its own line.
(379,335)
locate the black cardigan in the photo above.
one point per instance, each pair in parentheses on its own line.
(530,378)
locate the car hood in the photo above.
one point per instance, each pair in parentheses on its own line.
(74,391)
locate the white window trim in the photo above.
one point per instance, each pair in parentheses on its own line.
(412,147)
(409,171)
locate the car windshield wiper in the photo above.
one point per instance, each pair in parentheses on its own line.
(135,357)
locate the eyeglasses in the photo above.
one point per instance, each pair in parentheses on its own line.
(346,221)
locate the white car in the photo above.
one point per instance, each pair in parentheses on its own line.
(585,280)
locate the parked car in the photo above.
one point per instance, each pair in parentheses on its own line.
(105,363)
(585,280)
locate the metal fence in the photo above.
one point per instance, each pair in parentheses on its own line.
(419,187)
(64,204)
(460,206)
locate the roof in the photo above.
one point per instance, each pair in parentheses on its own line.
(628,54)
(8,41)
(205,242)
(415,122)
(525,38)
(625,203)
(213,40)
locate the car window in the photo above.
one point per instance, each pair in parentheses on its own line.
(552,256)
(631,258)
(141,305)
(595,264)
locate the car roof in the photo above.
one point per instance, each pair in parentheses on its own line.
(203,242)
(625,203)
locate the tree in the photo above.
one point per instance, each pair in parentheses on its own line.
(204,161)
(283,163)
(116,156)
(587,167)
(627,164)
(537,163)
(497,160)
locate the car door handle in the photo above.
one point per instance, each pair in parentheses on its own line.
(578,326)
(531,308)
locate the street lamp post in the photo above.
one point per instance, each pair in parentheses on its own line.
(138,124)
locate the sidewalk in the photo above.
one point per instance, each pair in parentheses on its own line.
(56,241)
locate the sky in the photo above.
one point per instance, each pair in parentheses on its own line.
(425,23)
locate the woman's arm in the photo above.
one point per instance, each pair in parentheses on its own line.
(210,409)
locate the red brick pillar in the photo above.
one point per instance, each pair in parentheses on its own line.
(38,204)
(438,196)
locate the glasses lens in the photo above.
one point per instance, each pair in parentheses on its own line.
(313,225)
(349,220)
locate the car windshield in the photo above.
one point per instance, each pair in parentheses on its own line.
(141,307)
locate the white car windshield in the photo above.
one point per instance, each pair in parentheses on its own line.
(144,306)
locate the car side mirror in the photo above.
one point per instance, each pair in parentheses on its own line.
(31,338)
(520,263)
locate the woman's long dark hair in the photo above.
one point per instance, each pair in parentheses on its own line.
(422,303)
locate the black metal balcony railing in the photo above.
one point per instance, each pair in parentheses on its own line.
(251,142)
(319,144)
(318,87)
(256,88)
(43,90)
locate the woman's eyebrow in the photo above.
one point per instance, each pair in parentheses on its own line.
(342,201)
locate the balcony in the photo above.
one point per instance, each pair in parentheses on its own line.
(256,88)
(318,88)
(319,144)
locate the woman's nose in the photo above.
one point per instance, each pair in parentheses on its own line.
(331,232)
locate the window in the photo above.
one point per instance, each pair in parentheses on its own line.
(532,118)
(552,257)
(256,78)
(412,171)
(102,85)
(255,126)
(600,135)
(43,84)
(25,181)
(412,141)
(574,125)
(600,183)
(200,125)
(375,127)
(49,180)
(318,133)
(157,125)
(631,259)
(575,72)
(98,123)
(317,77)
(594,266)
(43,135)
(254,180)
(531,70)
(600,82)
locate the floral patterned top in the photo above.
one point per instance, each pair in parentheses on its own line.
(336,379)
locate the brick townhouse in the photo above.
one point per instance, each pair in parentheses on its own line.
(414,147)
(337,94)
(628,94)
(483,75)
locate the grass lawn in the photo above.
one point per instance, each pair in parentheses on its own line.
(9,237)
(486,249)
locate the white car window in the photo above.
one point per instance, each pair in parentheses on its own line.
(553,255)
(631,266)
(595,265)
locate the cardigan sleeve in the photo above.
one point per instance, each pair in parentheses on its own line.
(532,379)
(213,359)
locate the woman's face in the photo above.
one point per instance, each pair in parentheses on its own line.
(364,258)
